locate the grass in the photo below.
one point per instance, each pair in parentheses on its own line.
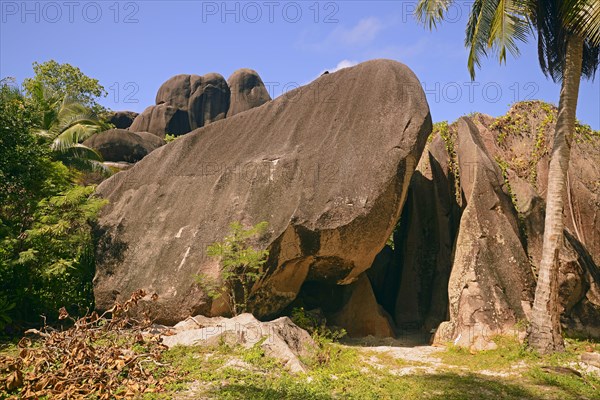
(344,372)
(336,371)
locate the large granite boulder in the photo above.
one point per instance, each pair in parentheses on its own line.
(119,145)
(162,119)
(247,91)
(121,119)
(184,103)
(176,90)
(209,100)
(426,248)
(579,276)
(330,177)
(491,284)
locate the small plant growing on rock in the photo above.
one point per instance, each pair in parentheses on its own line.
(169,138)
(241,267)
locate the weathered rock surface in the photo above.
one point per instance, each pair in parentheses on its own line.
(152,141)
(523,138)
(162,119)
(416,271)
(119,145)
(591,359)
(280,339)
(329,177)
(247,91)
(362,315)
(121,119)
(491,283)
(176,91)
(209,101)
(579,276)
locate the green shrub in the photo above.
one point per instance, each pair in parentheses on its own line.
(241,267)
(170,138)
(46,249)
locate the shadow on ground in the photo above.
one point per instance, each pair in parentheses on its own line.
(443,386)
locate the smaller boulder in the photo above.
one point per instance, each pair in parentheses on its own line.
(162,119)
(119,145)
(209,100)
(176,90)
(247,91)
(280,339)
(121,119)
(152,141)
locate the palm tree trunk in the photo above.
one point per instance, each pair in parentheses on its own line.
(545,330)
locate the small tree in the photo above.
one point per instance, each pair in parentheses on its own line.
(241,267)
(66,80)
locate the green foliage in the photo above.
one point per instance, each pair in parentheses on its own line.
(65,81)
(63,102)
(448,134)
(322,352)
(316,326)
(241,267)
(51,264)
(46,257)
(65,124)
(5,309)
(496,28)
(60,231)
(24,161)
(170,138)
(584,133)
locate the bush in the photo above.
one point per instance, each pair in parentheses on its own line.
(46,257)
(241,267)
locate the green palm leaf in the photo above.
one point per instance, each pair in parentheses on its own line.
(508,26)
(73,135)
(79,151)
(478,35)
(431,12)
(583,17)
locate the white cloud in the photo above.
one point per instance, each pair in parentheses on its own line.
(343,64)
(364,32)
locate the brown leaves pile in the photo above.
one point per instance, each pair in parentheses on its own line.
(106,356)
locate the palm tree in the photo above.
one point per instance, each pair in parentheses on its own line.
(67,124)
(567,52)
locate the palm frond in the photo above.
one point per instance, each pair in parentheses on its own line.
(79,151)
(71,114)
(431,12)
(552,37)
(583,18)
(591,60)
(73,135)
(479,31)
(508,26)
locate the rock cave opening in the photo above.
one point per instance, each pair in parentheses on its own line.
(404,294)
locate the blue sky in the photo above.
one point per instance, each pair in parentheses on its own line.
(134,46)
